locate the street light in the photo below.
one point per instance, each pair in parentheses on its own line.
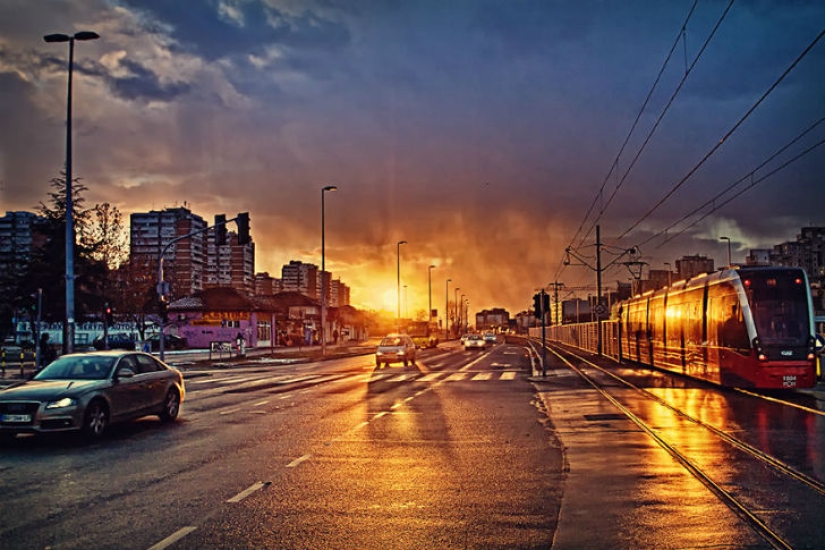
(727,239)
(430,293)
(323,270)
(455,302)
(447,310)
(398,257)
(68,329)
(461,315)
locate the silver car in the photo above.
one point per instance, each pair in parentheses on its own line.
(88,391)
(395,348)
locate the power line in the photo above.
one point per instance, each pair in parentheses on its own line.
(725,137)
(615,164)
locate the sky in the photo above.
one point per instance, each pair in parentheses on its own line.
(490,135)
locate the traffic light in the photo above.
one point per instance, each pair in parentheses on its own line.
(537,306)
(546,298)
(108,314)
(220,229)
(243,228)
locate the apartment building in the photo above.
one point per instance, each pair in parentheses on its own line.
(19,235)
(302,278)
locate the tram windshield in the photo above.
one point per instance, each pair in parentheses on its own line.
(779,302)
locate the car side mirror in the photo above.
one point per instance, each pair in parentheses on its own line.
(124,372)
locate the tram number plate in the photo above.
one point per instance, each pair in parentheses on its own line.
(15,418)
(789,381)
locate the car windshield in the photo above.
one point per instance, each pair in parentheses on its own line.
(391,341)
(77,367)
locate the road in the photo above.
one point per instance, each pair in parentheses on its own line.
(455,453)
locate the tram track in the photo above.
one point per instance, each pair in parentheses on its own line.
(753,504)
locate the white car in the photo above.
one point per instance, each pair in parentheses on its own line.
(490,338)
(474,341)
(395,348)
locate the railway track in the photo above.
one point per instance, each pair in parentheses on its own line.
(774,489)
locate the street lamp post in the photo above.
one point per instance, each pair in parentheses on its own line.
(398,258)
(461,315)
(68,328)
(430,293)
(323,271)
(455,303)
(727,239)
(447,310)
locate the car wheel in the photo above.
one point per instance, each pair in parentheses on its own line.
(95,420)
(405,361)
(171,406)
(378,363)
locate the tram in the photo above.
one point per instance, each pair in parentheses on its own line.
(747,327)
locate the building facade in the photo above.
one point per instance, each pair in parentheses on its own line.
(301,278)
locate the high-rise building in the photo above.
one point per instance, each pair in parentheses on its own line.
(184,261)
(266,285)
(691,266)
(339,294)
(19,236)
(302,278)
(230,264)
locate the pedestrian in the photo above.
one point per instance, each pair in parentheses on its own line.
(335,336)
(47,352)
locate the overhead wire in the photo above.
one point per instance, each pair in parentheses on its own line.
(725,137)
(642,109)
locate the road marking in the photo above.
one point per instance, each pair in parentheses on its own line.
(379,415)
(471,363)
(173,538)
(229,411)
(297,461)
(245,493)
(482,376)
(259,403)
(508,376)
(430,377)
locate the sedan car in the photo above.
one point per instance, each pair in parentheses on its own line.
(395,348)
(490,338)
(474,341)
(170,341)
(87,392)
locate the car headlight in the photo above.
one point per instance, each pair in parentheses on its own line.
(62,403)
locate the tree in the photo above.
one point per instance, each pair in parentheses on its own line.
(106,238)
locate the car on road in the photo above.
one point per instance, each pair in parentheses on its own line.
(474,341)
(170,341)
(117,340)
(395,348)
(490,338)
(87,392)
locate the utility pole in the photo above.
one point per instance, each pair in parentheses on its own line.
(556,286)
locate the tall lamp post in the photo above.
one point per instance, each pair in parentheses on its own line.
(68,328)
(430,293)
(447,310)
(455,303)
(398,257)
(727,239)
(323,271)
(461,315)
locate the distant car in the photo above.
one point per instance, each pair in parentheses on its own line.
(170,341)
(87,392)
(395,348)
(490,337)
(464,338)
(474,341)
(117,340)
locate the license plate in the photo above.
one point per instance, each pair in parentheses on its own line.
(9,418)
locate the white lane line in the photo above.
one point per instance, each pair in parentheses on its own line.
(379,415)
(229,411)
(298,460)
(361,425)
(482,376)
(259,403)
(457,377)
(248,491)
(471,363)
(430,377)
(173,538)
(508,376)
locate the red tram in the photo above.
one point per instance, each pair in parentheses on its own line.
(750,327)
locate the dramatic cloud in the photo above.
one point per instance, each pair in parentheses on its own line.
(481,132)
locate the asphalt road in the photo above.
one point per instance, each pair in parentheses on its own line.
(455,453)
